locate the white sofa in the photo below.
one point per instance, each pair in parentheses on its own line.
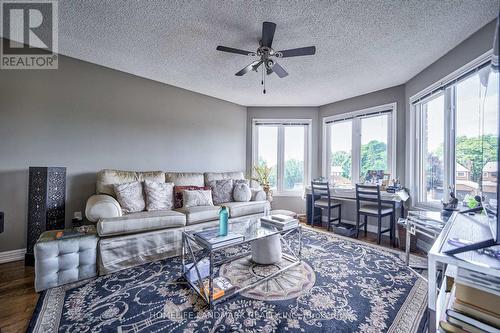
(133,239)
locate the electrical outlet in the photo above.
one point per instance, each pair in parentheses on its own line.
(77,215)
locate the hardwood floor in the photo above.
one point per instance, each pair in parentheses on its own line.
(18,297)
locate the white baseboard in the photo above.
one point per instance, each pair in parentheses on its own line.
(13,255)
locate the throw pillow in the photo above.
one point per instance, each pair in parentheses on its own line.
(242,192)
(241,181)
(130,197)
(178,202)
(159,196)
(194,198)
(222,190)
(258,194)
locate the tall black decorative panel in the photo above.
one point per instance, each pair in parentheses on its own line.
(46,204)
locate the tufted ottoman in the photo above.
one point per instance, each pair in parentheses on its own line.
(61,261)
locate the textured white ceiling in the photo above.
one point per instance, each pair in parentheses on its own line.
(362,46)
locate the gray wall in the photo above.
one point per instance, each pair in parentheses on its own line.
(471,48)
(296,204)
(87,117)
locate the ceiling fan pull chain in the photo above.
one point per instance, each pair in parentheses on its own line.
(264,80)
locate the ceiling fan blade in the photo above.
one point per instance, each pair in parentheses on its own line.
(253,66)
(268,29)
(233,50)
(301,51)
(280,71)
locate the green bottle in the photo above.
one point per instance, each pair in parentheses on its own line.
(223,220)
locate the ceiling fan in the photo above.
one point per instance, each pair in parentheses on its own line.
(267,54)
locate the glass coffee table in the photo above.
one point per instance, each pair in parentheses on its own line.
(194,251)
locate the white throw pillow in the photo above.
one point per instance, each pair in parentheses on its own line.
(159,196)
(242,192)
(258,194)
(194,198)
(130,197)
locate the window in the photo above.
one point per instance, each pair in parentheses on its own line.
(283,146)
(341,152)
(357,142)
(268,150)
(432,143)
(456,137)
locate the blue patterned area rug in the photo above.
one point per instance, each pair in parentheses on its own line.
(342,285)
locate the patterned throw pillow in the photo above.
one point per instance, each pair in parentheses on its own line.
(130,197)
(194,198)
(159,196)
(178,202)
(241,181)
(242,192)
(222,190)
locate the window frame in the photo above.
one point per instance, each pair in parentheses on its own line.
(281,124)
(414,160)
(355,117)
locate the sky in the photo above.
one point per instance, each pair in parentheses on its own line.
(294,143)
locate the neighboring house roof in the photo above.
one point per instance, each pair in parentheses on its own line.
(460,168)
(491,167)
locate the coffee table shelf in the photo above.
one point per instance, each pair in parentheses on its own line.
(194,250)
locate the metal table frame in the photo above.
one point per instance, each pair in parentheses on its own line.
(188,239)
(414,226)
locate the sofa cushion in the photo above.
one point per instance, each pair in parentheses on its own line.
(159,196)
(211,176)
(107,177)
(200,214)
(185,178)
(237,209)
(140,222)
(222,190)
(130,196)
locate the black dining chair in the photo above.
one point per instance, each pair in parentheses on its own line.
(321,199)
(368,203)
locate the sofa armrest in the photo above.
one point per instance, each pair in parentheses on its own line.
(102,206)
(258,194)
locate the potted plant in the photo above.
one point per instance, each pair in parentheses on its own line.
(261,175)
